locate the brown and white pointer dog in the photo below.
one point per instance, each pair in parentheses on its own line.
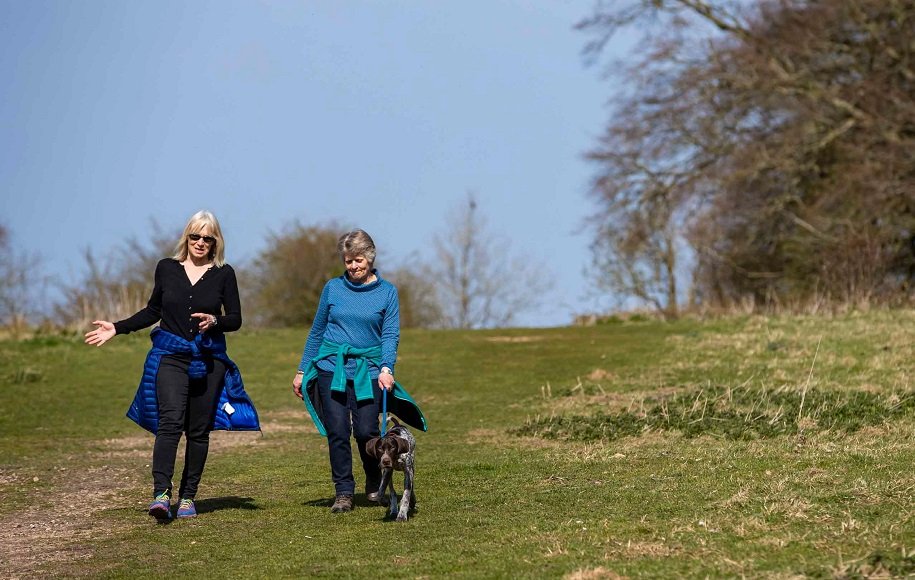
(396,450)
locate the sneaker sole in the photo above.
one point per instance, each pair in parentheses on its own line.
(160,513)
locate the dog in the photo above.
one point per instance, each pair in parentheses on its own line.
(396,450)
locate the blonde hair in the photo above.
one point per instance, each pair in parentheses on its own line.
(356,243)
(202,219)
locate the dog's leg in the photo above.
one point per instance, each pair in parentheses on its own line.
(385,481)
(408,500)
(392,505)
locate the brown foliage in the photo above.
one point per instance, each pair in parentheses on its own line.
(287,277)
(419,306)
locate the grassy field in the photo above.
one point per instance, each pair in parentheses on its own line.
(764,447)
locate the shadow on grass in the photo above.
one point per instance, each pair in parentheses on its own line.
(225,503)
(359,500)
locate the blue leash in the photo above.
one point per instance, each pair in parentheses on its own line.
(384,411)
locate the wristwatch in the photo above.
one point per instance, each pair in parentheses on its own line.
(387,370)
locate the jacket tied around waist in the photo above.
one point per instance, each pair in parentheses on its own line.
(399,401)
(234,412)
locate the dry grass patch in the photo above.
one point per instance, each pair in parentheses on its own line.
(733,413)
(514,338)
(599,573)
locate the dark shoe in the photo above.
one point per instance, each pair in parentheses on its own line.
(371,484)
(186,509)
(373,497)
(161,507)
(342,503)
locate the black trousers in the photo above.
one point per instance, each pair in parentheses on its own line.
(345,417)
(185,406)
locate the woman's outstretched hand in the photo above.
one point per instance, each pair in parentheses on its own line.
(103,333)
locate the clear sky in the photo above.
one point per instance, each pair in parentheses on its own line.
(379,115)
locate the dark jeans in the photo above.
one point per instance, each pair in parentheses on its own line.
(185,406)
(343,417)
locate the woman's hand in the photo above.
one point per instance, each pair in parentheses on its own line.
(386,381)
(102,334)
(207,321)
(297,385)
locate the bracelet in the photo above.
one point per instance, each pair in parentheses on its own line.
(215,322)
(386,370)
(300,372)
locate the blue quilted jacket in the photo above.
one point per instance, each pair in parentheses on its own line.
(234,412)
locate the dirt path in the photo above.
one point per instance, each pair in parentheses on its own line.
(58,526)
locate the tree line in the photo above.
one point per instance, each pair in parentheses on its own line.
(459,286)
(758,153)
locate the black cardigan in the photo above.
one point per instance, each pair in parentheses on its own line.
(174,299)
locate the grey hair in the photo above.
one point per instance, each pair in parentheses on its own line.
(356,243)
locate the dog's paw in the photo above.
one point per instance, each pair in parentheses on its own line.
(401,517)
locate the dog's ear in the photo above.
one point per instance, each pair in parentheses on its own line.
(402,446)
(373,447)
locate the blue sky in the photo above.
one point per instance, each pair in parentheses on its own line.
(380,115)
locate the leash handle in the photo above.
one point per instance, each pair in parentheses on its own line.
(384,411)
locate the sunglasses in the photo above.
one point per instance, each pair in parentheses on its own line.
(210,240)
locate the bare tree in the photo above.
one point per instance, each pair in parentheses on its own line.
(117,285)
(22,285)
(776,137)
(479,284)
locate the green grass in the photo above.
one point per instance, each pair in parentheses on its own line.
(638,449)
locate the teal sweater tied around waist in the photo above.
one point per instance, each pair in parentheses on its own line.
(399,401)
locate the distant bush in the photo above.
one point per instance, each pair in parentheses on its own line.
(283,286)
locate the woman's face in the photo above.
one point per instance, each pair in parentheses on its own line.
(358,268)
(200,248)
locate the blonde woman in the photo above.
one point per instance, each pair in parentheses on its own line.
(189,384)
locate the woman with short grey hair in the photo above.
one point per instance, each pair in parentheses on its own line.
(348,360)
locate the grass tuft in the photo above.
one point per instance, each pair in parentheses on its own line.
(25,375)
(743,413)
(878,564)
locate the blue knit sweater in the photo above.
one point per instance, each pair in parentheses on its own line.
(360,315)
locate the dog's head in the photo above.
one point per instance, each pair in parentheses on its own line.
(386,449)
